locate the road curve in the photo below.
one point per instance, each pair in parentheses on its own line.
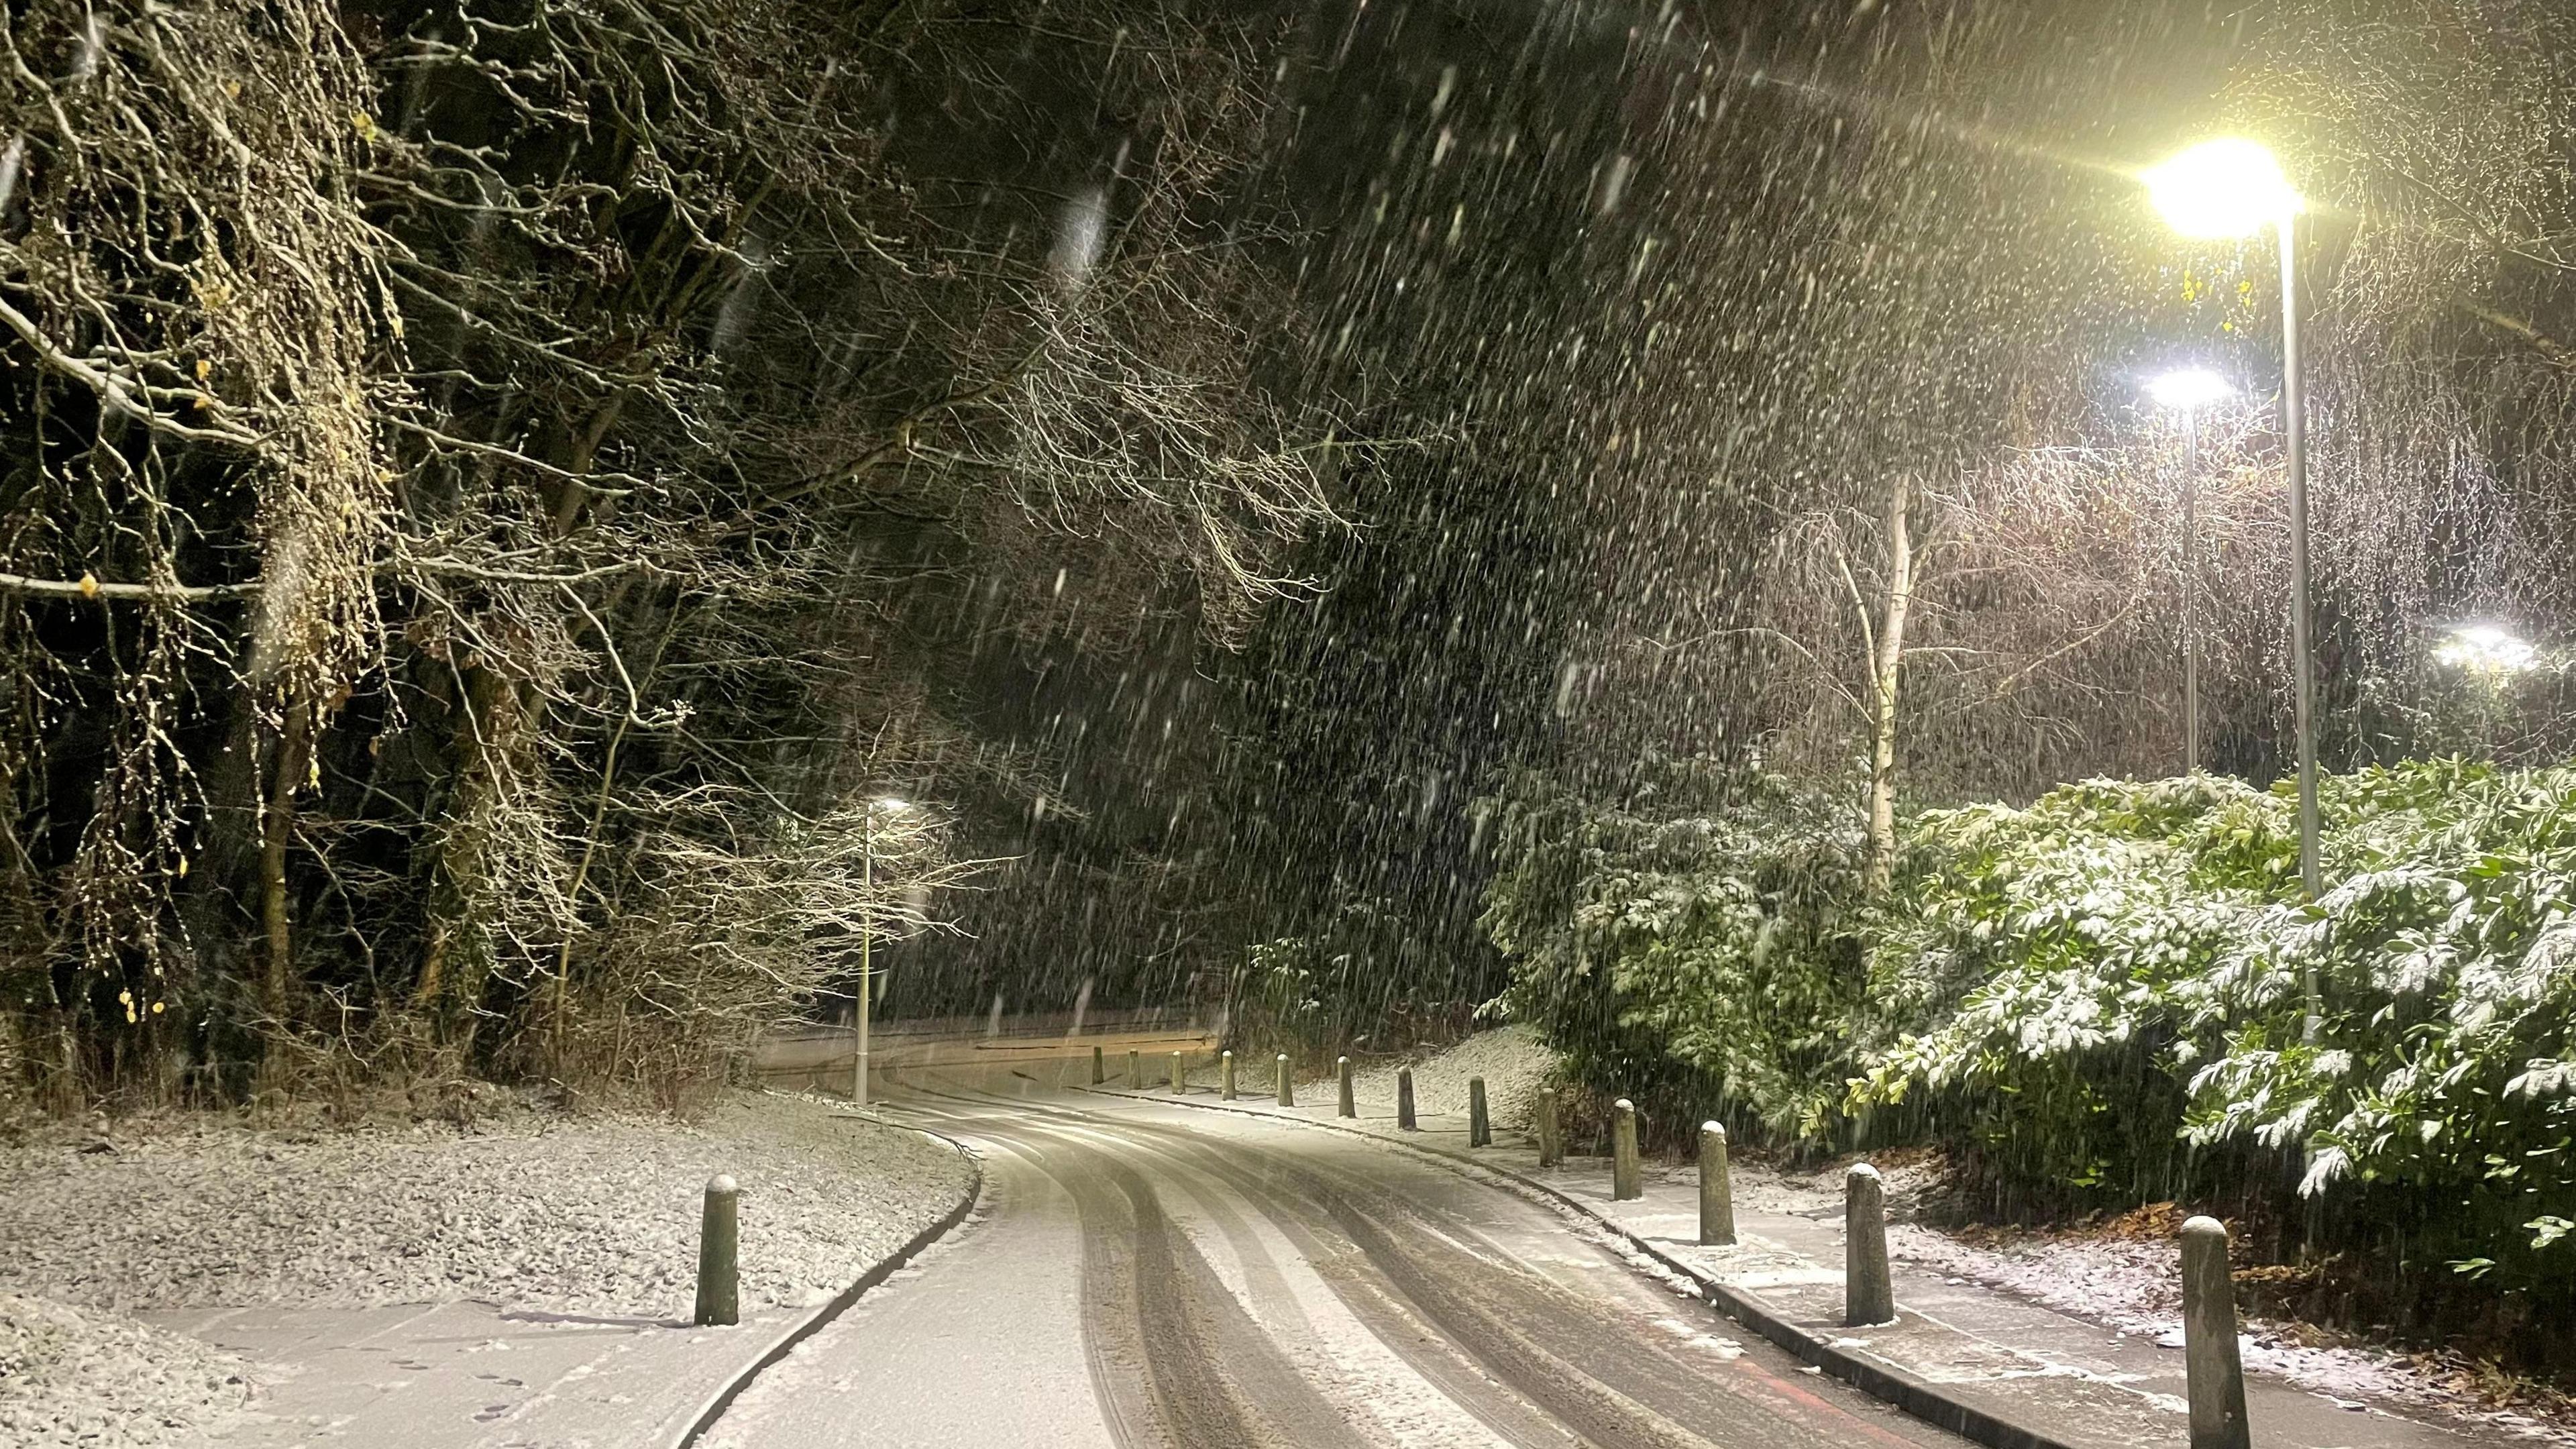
(1147,1277)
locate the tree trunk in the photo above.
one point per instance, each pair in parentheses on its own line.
(277,828)
(1883,684)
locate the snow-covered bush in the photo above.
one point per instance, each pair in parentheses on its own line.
(2123,964)
(2096,999)
(1693,945)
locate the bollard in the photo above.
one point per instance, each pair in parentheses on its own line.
(719,1237)
(1225,1076)
(1135,1071)
(1287,1091)
(1097,1076)
(1404,1098)
(1177,1080)
(2214,1373)
(1349,1106)
(1626,1181)
(1868,1296)
(1716,1189)
(1551,1142)
(1480,1129)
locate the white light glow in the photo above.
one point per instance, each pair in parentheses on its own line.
(2188,389)
(2486,649)
(890,805)
(2222,188)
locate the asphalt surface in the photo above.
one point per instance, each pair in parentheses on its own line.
(1144,1276)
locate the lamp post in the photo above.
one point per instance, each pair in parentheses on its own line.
(2186,392)
(2234,188)
(868,931)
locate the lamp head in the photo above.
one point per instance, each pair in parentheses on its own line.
(2222,188)
(2486,649)
(2188,389)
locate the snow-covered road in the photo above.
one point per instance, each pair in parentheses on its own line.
(1144,1275)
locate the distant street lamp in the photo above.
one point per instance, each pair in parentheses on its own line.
(868,929)
(2491,656)
(2234,188)
(2186,392)
(2487,650)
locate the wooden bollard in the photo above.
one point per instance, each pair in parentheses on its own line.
(1135,1071)
(1287,1088)
(719,1244)
(1551,1139)
(1716,1188)
(1225,1076)
(1626,1180)
(1349,1105)
(1097,1075)
(1404,1098)
(1480,1128)
(1868,1296)
(1178,1080)
(2213,1371)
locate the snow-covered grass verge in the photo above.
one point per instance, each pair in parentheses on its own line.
(99,1381)
(2127,1276)
(1511,1059)
(571,1214)
(568,1214)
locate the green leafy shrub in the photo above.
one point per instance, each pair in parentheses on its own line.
(2124,964)
(2098,999)
(1691,946)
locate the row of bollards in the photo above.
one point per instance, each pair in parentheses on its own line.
(2214,1370)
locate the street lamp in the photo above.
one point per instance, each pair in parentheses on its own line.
(2234,188)
(2487,650)
(2491,656)
(2187,391)
(868,929)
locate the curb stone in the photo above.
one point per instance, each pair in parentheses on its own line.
(1919,1397)
(812,1323)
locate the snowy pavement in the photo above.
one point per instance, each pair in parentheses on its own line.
(1146,1275)
(436,1255)
(2086,1381)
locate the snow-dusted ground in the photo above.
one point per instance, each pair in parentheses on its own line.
(1512,1061)
(2133,1284)
(100,1381)
(592,1214)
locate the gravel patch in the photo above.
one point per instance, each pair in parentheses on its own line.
(595,1215)
(72,1377)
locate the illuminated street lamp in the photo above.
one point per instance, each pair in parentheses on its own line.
(2234,188)
(868,929)
(2484,649)
(2186,391)
(2491,656)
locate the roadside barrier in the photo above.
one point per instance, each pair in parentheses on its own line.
(1626,1181)
(1225,1076)
(1869,1296)
(1716,1188)
(1349,1105)
(1480,1127)
(1287,1089)
(1404,1098)
(1097,1077)
(719,1243)
(2212,1369)
(1179,1082)
(1551,1141)
(1135,1071)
